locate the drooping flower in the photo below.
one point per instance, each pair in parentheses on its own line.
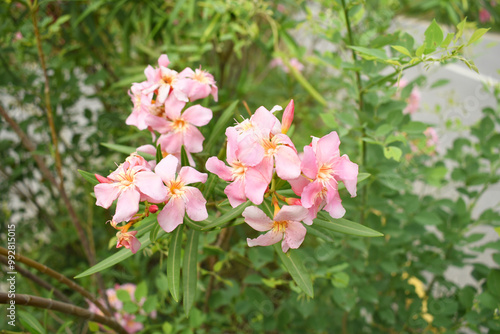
(132,182)
(285,226)
(324,166)
(128,240)
(197,84)
(181,199)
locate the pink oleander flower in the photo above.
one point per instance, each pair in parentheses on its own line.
(180,129)
(181,199)
(249,178)
(413,100)
(432,137)
(285,226)
(132,182)
(127,321)
(163,80)
(484,15)
(324,167)
(142,105)
(128,240)
(197,84)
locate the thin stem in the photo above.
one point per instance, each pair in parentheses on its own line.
(58,276)
(49,304)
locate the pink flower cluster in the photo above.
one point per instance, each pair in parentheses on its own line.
(159,101)
(258,150)
(126,320)
(413,100)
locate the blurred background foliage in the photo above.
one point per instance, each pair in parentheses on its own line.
(94,50)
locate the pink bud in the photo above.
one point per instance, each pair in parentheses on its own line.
(287,117)
(153,208)
(102,179)
(293,201)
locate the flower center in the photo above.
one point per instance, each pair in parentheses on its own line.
(325,173)
(126,178)
(269,146)
(179,125)
(239,170)
(176,188)
(280,226)
(168,78)
(156,110)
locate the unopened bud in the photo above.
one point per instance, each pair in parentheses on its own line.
(293,201)
(102,179)
(287,119)
(153,208)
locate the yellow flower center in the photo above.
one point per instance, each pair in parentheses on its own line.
(201,76)
(239,170)
(176,188)
(280,226)
(179,125)
(325,173)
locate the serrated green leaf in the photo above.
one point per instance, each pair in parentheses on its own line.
(228,216)
(190,270)
(477,35)
(31,323)
(345,226)
(221,125)
(401,49)
(174,263)
(89,177)
(118,257)
(294,264)
(393,152)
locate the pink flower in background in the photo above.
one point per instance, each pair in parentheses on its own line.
(324,166)
(484,15)
(413,100)
(294,62)
(18,36)
(432,137)
(197,84)
(128,240)
(249,179)
(132,182)
(127,321)
(180,198)
(142,103)
(285,226)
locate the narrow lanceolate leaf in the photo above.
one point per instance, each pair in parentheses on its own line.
(89,177)
(345,226)
(227,217)
(189,270)
(208,187)
(118,257)
(220,126)
(30,322)
(294,264)
(127,150)
(174,263)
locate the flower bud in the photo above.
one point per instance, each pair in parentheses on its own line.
(153,208)
(102,179)
(293,201)
(287,117)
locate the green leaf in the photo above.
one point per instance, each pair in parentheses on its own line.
(220,127)
(127,150)
(414,127)
(118,257)
(477,35)
(184,157)
(89,177)
(401,49)
(294,264)
(363,176)
(123,295)
(174,263)
(383,130)
(31,323)
(159,154)
(497,229)
(345,226)
(460,29)
(393,152)
(433,36)
(427,218)
(493,282)
(189,270)
(140,291)
(370,53)
(228,216)
(306,84)
(447,40)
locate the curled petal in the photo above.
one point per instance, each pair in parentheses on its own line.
(310,193)
(347,172)
(287,163)
(270,238)
(214,165)
(309,164)
(257,219)
(334,203)
(294,235)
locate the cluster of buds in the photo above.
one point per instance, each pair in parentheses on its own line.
(259,153)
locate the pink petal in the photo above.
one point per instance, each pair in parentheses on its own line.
(294,235)
(287,163)
(193,139)
(255,185)
(309,165)
(163,92)
(232,144)
(270,238)
(173,107)
(159,124)
(249,151)
(195,204)
(186,73)
(167,167)
(215,92)
(171,142)
(257,219)
(172,214)
(151,185)
(310,193)
(291,213)
(215,166)
(347,172)
(299,184)
(190,175)
(198,90)
(127,205)
(334,203)
(135,245)
(327,148)
(235,193)
(197,115)
(150,74)
(180,95)
(149,149)
(106,193)
(264,120)
(163,60)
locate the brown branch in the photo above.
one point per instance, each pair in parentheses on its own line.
(49,304)
(59,277)
(39,282)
